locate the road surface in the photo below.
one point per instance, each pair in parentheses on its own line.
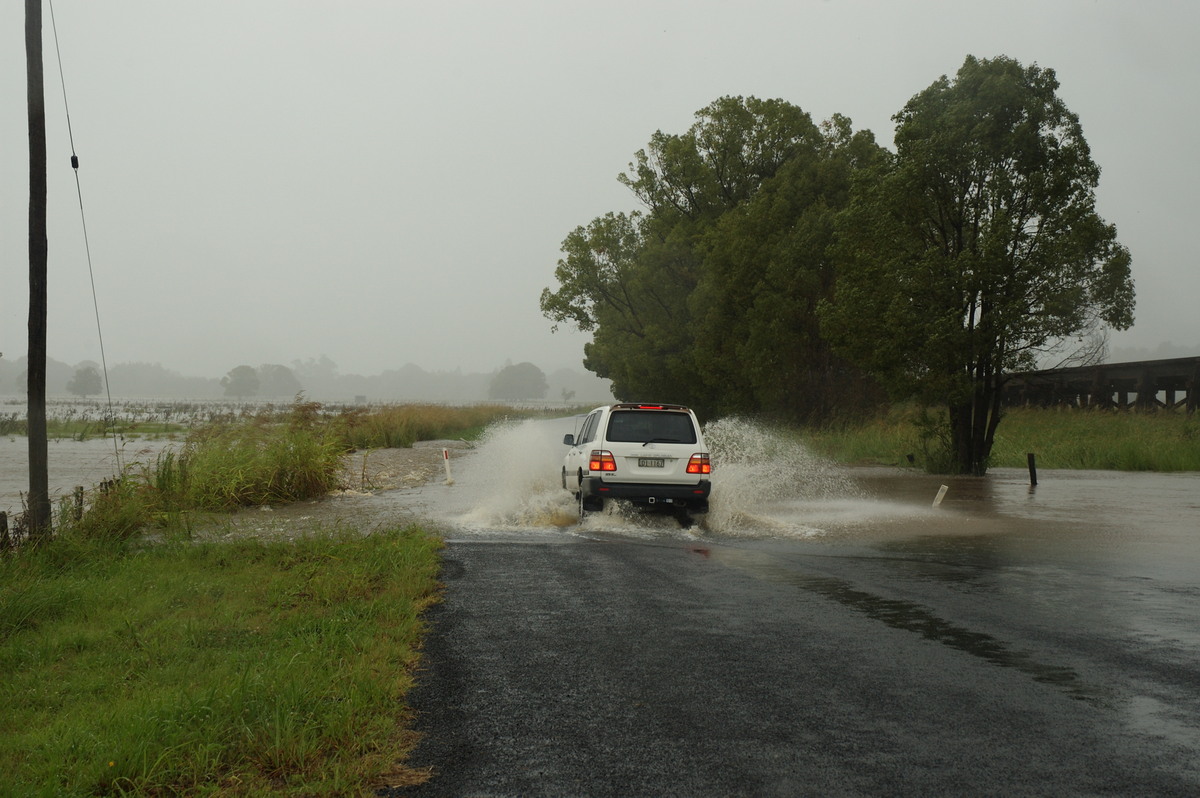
(609,666)
(826,632)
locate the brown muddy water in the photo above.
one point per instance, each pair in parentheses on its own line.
(765,489)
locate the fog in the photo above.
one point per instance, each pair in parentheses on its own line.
(383,183)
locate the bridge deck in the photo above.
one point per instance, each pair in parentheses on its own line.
(1144,385)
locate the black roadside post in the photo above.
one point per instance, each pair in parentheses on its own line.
(1032,469)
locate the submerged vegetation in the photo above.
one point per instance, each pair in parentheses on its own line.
(268,457)
(359,426)
(1059,438)
(403,425)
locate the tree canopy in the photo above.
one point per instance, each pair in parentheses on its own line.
(975,247)
(277,380)
(707,296)
(788,268)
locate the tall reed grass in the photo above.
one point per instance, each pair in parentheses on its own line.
(223,467)
(1113,440)
(275,456)
(400,426)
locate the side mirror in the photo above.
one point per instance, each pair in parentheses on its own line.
(568,440)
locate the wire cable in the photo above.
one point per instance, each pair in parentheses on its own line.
(109,420)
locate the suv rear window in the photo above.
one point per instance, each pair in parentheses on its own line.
(640,426)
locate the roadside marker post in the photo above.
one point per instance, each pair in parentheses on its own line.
(446,460)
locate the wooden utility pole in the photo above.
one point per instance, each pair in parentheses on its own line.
(39,482)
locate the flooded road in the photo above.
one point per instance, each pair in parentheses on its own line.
(823,631)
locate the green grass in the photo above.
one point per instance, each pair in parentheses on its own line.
(223,467)
(178,667)
(1080,439)
(1059,438)
(211,669)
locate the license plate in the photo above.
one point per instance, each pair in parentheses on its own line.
(650,462)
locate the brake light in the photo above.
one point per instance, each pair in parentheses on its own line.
(699,464)
(601,460)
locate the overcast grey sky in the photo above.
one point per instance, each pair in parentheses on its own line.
(389,182)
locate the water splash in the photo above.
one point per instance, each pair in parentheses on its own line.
(765,484)
(512,480)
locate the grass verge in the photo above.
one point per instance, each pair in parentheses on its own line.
(232,668)
(1060,438)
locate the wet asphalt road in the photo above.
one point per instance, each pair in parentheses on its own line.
(595,667)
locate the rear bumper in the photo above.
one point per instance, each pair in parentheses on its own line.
(694,496)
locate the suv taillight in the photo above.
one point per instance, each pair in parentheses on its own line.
(601,460)
(699,464)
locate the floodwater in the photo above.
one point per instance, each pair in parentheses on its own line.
(1044,637)
(768,489)
(71,464)
(765,489)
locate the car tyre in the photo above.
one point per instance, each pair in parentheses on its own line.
(588,504)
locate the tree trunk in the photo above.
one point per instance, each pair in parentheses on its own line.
(972,431)
(39,484)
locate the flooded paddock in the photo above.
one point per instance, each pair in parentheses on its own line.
(71,464)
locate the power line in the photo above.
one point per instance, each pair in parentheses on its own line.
(83,221)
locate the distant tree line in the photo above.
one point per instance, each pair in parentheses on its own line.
(318,378)
(798,270)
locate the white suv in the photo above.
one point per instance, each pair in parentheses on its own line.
(652,455)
